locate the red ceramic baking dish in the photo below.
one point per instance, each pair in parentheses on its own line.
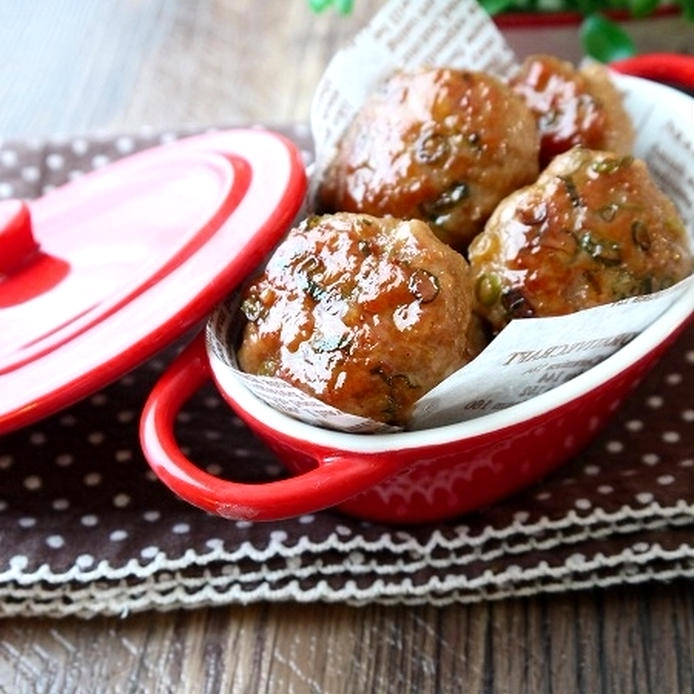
(412,476)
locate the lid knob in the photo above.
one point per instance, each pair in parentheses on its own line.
(17,243)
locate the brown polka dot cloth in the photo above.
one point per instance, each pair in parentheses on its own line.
(85,527)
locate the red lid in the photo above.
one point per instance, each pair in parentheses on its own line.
(100,274)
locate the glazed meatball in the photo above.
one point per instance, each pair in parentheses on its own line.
(573,107)
(592,230)
(365,314)
(440,145)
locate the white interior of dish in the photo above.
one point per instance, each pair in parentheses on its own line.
(641,97)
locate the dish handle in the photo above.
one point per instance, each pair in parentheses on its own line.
(335,479)
(672,68)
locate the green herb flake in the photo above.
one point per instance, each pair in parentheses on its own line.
(364,247)
(431,149)
(267,368)
(310,270)
(572,191)
(611,164)
(475,141)
(449,199)
(253,308)
(604,251)
(312,221)
(516,304)
(640,235)
(608,212)
(330,343)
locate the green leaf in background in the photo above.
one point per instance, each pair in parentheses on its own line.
(604,40)
(342,6)
(319,5)
(588,7)
(496,6)
(642,8)
(687,9)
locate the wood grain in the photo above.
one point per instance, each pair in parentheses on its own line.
(634,639)
(75,67)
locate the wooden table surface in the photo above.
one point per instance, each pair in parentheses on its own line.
(70,66)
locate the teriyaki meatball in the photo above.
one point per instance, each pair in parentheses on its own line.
(573,107)
(440,145)
(365,314)
(593,229)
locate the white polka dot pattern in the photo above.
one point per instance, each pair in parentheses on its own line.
(79,500)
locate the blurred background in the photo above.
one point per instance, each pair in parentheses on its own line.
(104,66)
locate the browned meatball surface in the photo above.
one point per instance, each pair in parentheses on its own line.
(592,230)
(573,107)
(365,314)
(440,145)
